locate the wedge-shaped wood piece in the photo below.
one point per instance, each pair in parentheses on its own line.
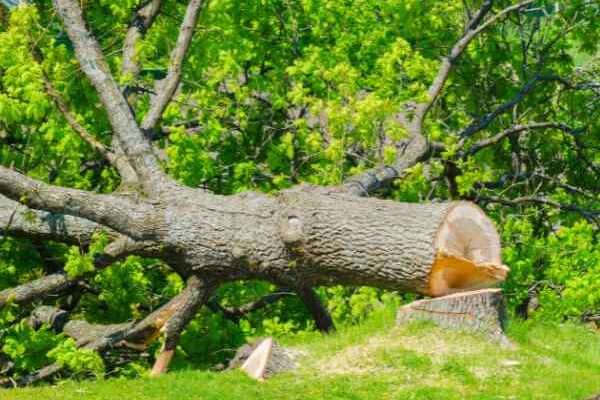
(256,364)
(479,310)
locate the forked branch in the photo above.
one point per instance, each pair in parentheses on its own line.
(134,144)
(474,28)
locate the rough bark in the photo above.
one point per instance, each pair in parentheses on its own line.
(165,88)
(138,150)
(18,220)
(142,20)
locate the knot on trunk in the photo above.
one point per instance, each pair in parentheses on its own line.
(291,230)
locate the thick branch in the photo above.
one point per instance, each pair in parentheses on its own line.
(134,144)
(115,212)
(21,221)
(414,150)
(165,88)
(198,293)
(321,315)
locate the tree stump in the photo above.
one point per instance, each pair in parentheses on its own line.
(479,310)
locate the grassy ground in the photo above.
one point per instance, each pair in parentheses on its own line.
(377,360)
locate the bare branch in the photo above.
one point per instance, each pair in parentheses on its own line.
(517,129)
(132,140)
(165,88)
(474,28)
(570,188)
(591,215)
(142,20)
(235,313)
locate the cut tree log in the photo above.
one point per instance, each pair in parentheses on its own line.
(480,310)
(435,249)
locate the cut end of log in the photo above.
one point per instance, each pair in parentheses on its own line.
(467,252)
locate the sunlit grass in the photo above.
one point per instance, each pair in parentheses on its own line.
(377,360)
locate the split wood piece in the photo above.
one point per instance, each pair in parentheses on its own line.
(256,364)
(480,310)
(263,359)
(135,335)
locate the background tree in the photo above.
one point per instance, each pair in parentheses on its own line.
(110,117)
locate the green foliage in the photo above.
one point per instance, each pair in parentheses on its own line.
(439,364)
(19,262)
(27,348)
(76,359)
(352,305)
(78,264)
(563,267)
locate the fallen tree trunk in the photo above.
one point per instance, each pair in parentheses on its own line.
(434,249)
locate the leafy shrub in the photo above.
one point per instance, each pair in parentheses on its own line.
(561,269)
(76,359)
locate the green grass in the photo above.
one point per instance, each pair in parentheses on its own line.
(377,360)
